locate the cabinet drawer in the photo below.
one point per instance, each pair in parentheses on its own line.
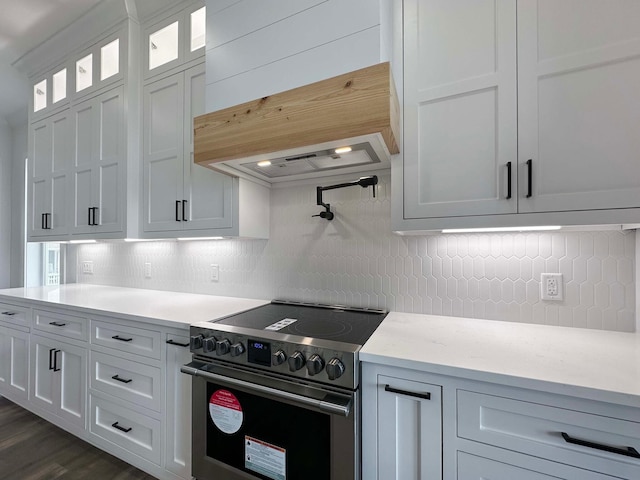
(536,429)
(131,381)
(126,339)
(473,467)
(13,314)
(130,430)
(61,324)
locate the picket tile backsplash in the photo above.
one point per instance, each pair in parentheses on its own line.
(356,260)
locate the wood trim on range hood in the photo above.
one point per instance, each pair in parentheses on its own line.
(353,105)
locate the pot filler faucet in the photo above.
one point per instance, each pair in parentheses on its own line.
(364,182)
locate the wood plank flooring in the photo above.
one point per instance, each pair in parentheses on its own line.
(33,449)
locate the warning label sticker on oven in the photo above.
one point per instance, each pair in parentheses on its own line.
(225,411)
(264,458)
(280,324)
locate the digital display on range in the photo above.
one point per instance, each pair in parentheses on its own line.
(259,353)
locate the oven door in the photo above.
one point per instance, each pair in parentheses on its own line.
(249,425)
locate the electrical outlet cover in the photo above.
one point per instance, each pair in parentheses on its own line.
(551,287)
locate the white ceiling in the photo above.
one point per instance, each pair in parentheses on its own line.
(25,24)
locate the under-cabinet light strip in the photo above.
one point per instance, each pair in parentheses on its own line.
(502,229)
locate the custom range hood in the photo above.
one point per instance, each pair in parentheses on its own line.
(345,124)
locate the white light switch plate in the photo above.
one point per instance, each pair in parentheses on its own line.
(147,270)
(215,272)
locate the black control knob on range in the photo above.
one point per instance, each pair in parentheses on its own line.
(278,358)
(209,344)
(296,361)
(315,364)
(223,347)
(196,342)
(335,368)
(237,349)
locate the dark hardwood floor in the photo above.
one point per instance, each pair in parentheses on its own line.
(33,449)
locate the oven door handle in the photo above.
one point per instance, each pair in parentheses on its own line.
(342,409)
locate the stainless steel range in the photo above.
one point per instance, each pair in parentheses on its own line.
(276,392)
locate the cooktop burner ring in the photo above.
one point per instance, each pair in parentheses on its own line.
(327,328)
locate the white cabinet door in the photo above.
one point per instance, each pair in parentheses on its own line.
(409,430)
(163,154)
(59,378)
(578,115)
(178,413)
(98,179)
(14,363)
(459,108)
(209,194)
(50,151)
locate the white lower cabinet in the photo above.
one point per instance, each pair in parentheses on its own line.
(59,378)
(470,430)
(408,415)
(178,407)
(14,363)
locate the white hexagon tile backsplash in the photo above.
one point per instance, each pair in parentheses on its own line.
(356,260)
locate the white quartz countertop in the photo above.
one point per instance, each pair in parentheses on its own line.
(167,308)
(594,364)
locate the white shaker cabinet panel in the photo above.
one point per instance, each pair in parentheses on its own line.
(162,154)
(459,108)
(578,77)
(209,194)
(14,363)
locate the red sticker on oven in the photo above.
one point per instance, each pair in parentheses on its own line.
(225,411)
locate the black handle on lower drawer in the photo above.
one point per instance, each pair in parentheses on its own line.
(57,324)
(626,451)
(123,380)
(425,396)
(9,313)
(118,337)
(173,342)
(122,429)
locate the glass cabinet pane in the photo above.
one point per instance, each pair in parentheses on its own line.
(59,85)
(163,46)
(84,73)
(110,59)
(40,95)
(198,28)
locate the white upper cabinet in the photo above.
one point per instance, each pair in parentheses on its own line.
(514,111)
(578,115)
(174,41)
(460,108)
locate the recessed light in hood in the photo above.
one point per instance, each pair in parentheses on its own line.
(303,132)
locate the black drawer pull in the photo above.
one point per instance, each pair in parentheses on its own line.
(51,350)
(9,313)
(122,429)
(626,451)
(123,380)
(178,211)
(529,178)
(426,396)
(118,337)
(57,324)
(508,180)
(173,342)
(55,360)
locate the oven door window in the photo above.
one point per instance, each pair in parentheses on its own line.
(269,439)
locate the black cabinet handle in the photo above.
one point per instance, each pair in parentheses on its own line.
(529,178)
(626,451)
(173,342)
(184,213)
(55,361)
(8,313)
(426,395)
(118,337)
(45,221)
(57,324)
(42,226)
(123,380)
(89,216)
(178,210)
(95,216)
(51,350)
(508,180)
(122,429)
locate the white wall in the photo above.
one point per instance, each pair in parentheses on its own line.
(356,260)
(5,203)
